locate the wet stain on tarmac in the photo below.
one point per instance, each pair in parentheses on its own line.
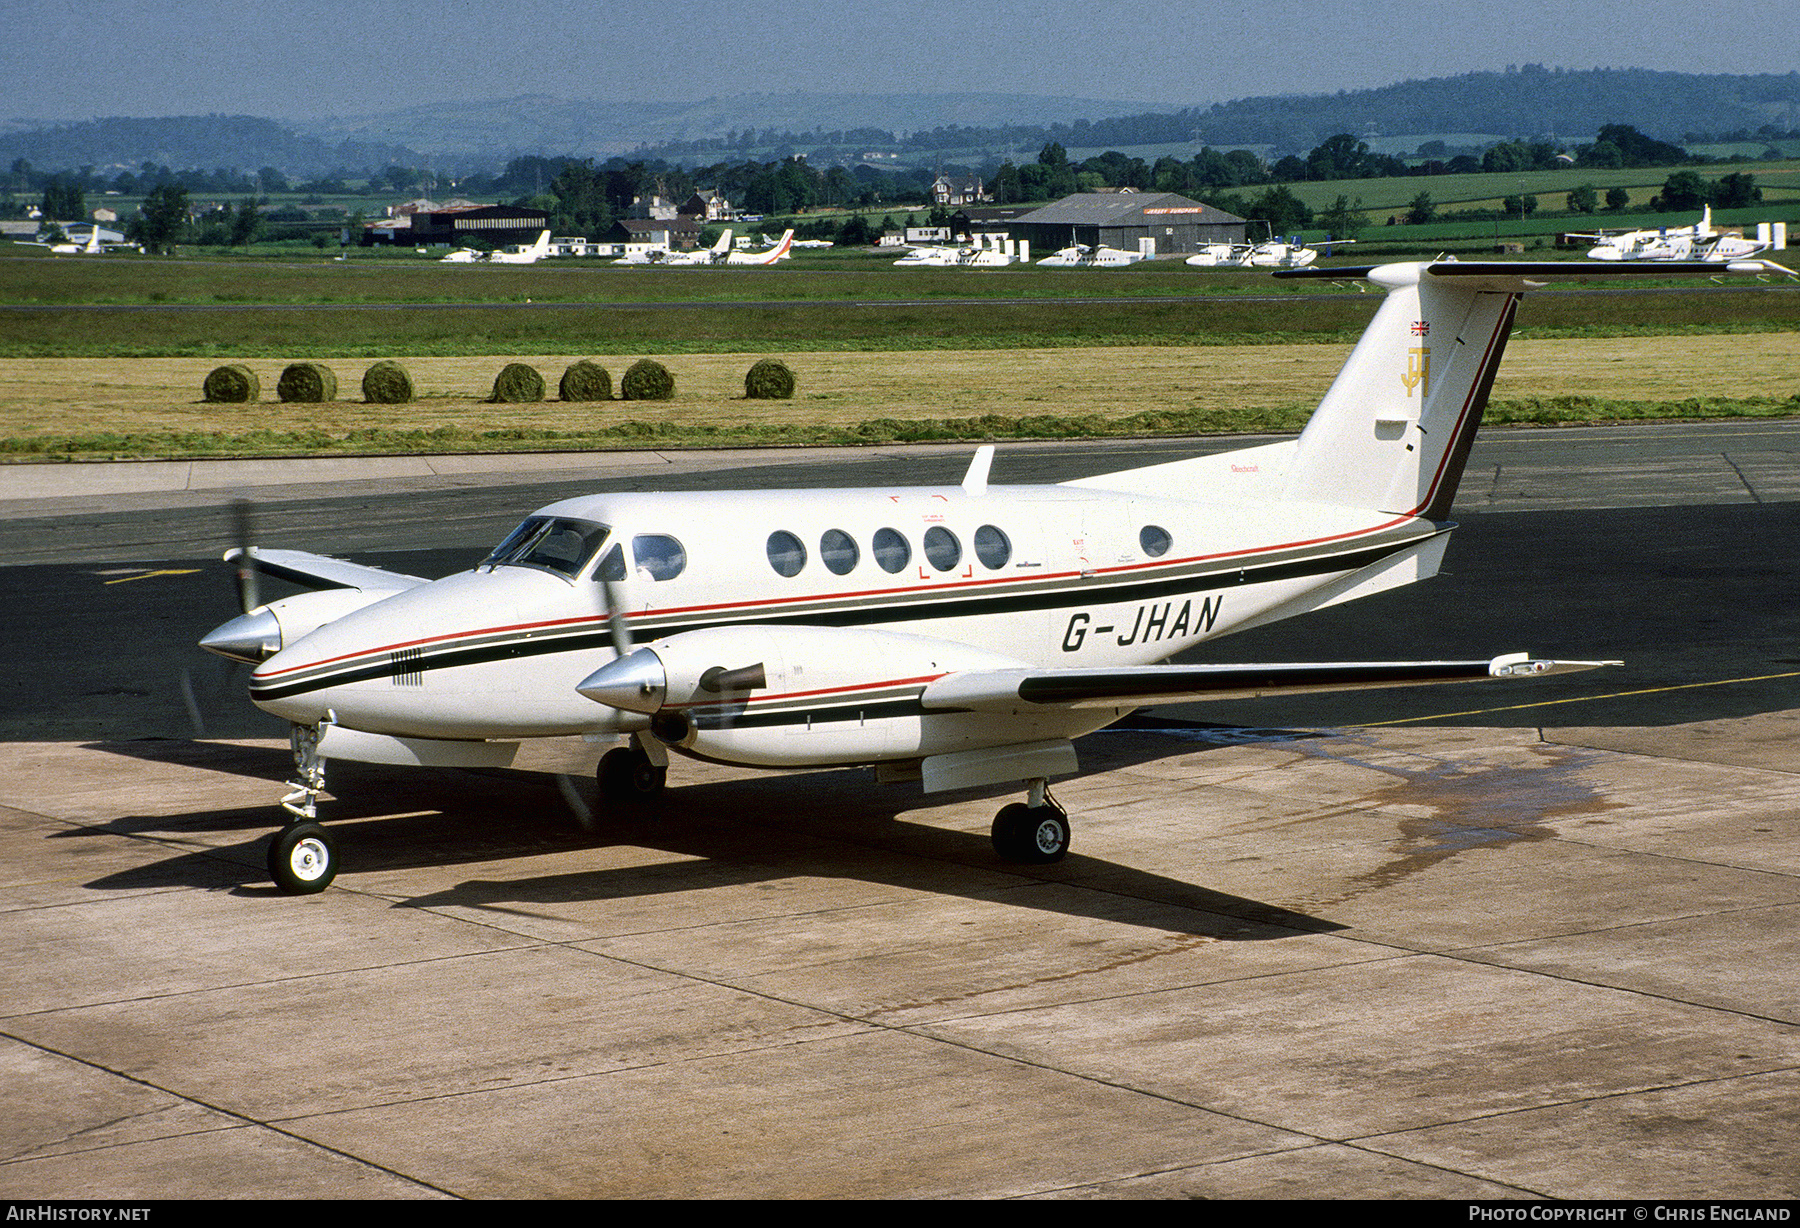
(1475,806)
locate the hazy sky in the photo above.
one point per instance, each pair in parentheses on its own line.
(76,59)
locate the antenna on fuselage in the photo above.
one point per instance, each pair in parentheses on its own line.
(975,481)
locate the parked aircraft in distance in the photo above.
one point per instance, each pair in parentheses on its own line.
(987,251)
(1286,252)
(669,257)
(928,255)
(463,255)
(953,636)
(1083,256)
(523,253)
(1700,241)
(782,250)
(92,245)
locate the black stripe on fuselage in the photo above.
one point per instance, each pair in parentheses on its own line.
(861,616)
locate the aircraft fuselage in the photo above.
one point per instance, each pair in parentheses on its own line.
(853,601)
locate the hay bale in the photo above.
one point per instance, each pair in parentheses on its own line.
(585,381)
(232,384)
(769,380)
(387,383)
(647,380)
(518,382)
(307,382)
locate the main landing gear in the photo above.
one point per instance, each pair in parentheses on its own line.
(1034,832)
(633,774)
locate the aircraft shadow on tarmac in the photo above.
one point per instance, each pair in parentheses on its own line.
(818,824)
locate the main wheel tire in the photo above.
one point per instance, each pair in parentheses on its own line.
(1031,835)
(627,775)
(303,858)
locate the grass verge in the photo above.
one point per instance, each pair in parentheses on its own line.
(633,433)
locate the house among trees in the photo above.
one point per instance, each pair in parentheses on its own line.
(708,205)
(635,234)
(967,190)
(654,208)
(1119,219)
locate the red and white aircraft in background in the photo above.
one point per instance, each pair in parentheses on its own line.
(783,249)
(950,635)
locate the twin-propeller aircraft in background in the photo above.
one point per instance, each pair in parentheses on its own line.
(951,635)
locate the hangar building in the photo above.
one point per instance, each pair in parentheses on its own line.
(1119,219)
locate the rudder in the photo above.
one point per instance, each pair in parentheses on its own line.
(1393,432)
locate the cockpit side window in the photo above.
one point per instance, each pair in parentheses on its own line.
(551,543)
(658,554)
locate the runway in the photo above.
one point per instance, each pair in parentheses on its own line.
(1482,942)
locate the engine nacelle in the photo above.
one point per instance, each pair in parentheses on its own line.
(261,633)
(741,693)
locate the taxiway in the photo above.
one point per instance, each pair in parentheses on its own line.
(1482,942)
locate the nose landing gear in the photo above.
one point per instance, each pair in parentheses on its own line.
(303,856)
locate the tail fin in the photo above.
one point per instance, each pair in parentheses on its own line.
(1394,431)
(724,243)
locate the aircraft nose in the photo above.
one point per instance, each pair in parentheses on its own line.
(634,683)
(252,637)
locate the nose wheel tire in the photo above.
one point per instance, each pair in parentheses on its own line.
(627,775)
(303,858)
(1031,835)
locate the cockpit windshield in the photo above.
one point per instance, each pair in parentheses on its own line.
(554,543)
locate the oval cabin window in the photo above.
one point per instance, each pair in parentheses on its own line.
(942,548)
(837,550)
(891,550)
(992,547)
(786,555)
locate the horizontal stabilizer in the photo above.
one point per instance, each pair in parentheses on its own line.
(1520,275)
(1141,686)
(322,571)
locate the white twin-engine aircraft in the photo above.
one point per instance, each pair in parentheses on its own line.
(955,635)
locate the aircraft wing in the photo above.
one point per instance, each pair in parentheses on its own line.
(321,571)
(1143,685)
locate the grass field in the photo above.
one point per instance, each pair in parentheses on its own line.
(102,358)
(1779,181)
(60,408)
(219,310)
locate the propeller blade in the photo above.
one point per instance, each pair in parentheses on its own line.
(615,620)
(244,534)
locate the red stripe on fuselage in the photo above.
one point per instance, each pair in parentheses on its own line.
(595,620)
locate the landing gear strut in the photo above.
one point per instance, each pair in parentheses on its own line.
(1034,833)
(303,856)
